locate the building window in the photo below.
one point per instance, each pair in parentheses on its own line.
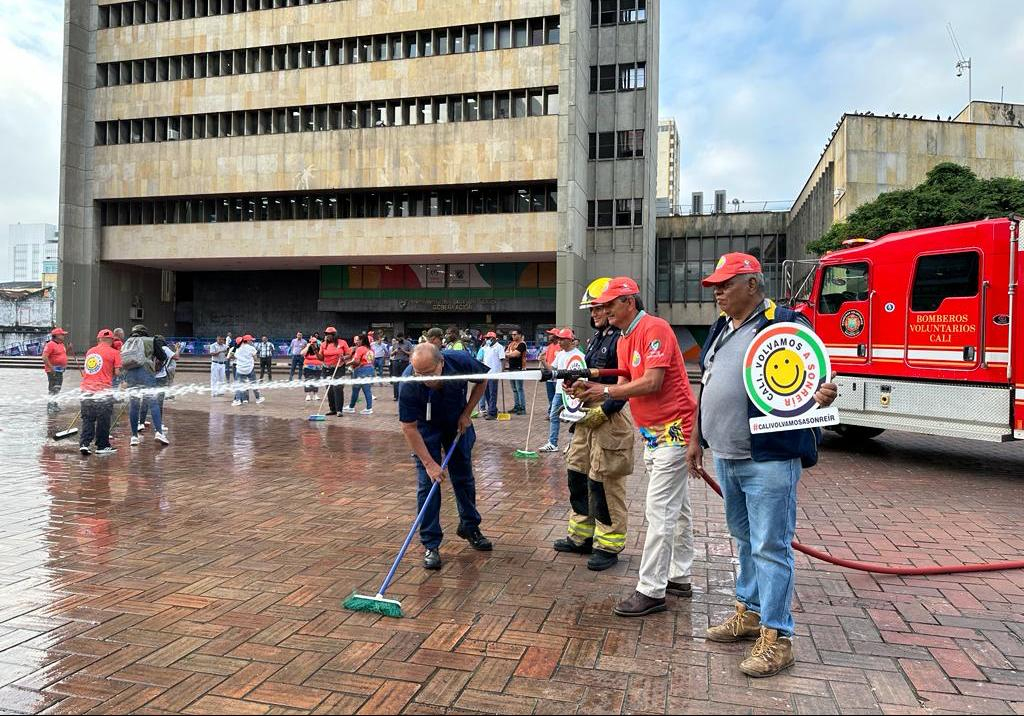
(602,78)
(617,12)
(632,11)
(326,117)
(631,143)
(604,213)
(373,203)
(633,77)
(139,12)
(337,51)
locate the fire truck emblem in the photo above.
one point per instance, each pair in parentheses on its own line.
(852,323)
(782,369)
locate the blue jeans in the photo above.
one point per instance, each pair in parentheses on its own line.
(296,367)
(159,398)
(556,424)
(551,392)
(378,367)
(518,395)
(760,508)
(243,395)
(142,378)
(460,474)
(491,398)
(365,371)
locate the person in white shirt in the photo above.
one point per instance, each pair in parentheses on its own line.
(218,362)
(492,354)
(245,367)
(568,357)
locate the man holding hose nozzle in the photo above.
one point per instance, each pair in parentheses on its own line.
(600,455)
(434,414)
(758,474)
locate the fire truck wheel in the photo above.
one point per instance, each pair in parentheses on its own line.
(858,433)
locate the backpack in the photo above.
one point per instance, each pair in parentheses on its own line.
(137,352)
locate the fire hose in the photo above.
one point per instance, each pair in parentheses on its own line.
(818,554)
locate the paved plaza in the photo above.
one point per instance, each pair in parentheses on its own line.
(208,577)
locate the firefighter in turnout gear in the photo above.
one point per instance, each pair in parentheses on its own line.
(600,455)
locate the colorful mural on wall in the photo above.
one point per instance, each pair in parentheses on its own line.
(469,280)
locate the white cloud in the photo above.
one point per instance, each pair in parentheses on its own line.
(31,43)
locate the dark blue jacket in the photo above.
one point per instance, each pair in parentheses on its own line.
(784,445)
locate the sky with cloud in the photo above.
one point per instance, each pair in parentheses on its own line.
(755,87)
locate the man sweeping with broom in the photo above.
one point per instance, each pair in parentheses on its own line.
(600,456)
(433,414)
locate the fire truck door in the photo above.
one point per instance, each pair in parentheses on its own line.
(843,312)
(945,311)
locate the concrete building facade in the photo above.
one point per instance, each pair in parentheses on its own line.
(869,155)
(25,250)
(273,165)
(668,168)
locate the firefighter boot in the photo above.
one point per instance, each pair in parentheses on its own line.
(744,624)
(771,654)
(567,545)
(602,560)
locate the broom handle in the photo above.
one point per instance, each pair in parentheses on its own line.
(320,410)
(533,409)
(419,519)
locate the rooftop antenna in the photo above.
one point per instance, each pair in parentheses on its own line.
(962,64)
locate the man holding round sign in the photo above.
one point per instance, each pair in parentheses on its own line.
(765,392)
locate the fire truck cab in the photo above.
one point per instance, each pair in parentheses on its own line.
(924,330)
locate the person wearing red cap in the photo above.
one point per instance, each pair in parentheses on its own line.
(758,473)
(492,354)
(99,368)
(245,367)
(567,357)
(55,362)
(361,361)
(333,352)
(663,407)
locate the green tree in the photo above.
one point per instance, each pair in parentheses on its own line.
(950,194)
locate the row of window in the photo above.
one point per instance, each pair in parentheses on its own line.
(468,107)
(356,204)
(141,12)
(631,76)
(617,12)
(684,261)
(623,144)
(530,32)
(624,212)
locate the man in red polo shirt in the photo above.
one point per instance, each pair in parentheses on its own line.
(663,409)
(101,364)
(55,361)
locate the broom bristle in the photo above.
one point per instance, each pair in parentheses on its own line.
(375,605)
(525,453)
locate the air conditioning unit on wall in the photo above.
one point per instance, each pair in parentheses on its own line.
(137,314)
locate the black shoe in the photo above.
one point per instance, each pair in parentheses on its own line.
(490,417)
(331,412)
(432,559)
(680,589)
(567,545)
(476,540)
(602,560)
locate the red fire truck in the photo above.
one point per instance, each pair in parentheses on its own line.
(924,329)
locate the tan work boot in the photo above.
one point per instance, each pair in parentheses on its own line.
(743,624)
(771,654)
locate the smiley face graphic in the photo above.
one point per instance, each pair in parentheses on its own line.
(784,372)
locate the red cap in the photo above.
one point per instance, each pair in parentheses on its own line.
(238,340)
(490,334)
(330,329)
(563,333)
(618,287)
(248,337)
(105,333)
(732,265)
(58,332)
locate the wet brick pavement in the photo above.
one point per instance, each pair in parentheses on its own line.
(208,576)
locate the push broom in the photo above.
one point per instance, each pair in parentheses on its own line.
(379,604)
(320,417)
(526,452)
(70,430)
(504,414)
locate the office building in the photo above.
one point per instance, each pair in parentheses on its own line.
(26,248)
(668,168)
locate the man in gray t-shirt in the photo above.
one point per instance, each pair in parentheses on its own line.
(724,396)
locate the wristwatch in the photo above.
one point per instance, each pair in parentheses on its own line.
(607,392)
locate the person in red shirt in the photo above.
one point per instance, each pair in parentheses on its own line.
(99,369)
(362,367)
(333,352)
(547,361)
(118,338)
(663,409)
(55,361)
(312,367)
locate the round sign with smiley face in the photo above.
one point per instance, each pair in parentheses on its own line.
(783,368)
